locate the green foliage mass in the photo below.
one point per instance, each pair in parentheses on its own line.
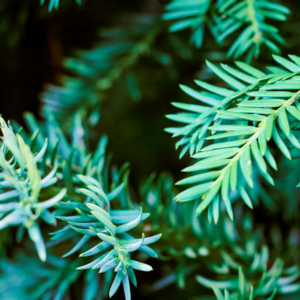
(230,230)
(246,115)
(224,18)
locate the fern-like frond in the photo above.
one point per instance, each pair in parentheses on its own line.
(87,208)
(97,219)
(189,14)
(96,71)
(249,18)
(228,252)
(225,18)
(277,281)
(200,116)
(247,119)
(21,185)
(25,276)
(111,226)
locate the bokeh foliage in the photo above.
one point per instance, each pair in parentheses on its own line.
(91,69)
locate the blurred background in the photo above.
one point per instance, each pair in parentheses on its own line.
(116,62)
(127,63)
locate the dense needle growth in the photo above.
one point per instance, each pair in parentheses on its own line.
(77,222)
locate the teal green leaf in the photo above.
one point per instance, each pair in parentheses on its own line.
(107,238)
(233,175)
(263,103)
(106,222)
(248,117)
(202,165)
(52,201)
(284,121)
(139,266)
(214,89)
(258,157)
(225,183)
(262,139)
(232,133)
(216,209)
(245,164)
(225,145)
(116,284)
(276,94)
(214,189)
(293,111)
(199,96)
(280,144)
(193,192)
(227,78)
(199,178)
(249,69)
(98,248)
(269,126)
(110,265)
(130,225)
(244,195)
(287,63)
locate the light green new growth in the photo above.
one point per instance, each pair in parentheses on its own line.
(21,204)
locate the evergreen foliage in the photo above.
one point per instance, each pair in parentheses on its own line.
(225,18)
(91,79)
(92,226)
(247,117)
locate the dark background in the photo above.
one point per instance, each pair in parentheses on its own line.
(33,45)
